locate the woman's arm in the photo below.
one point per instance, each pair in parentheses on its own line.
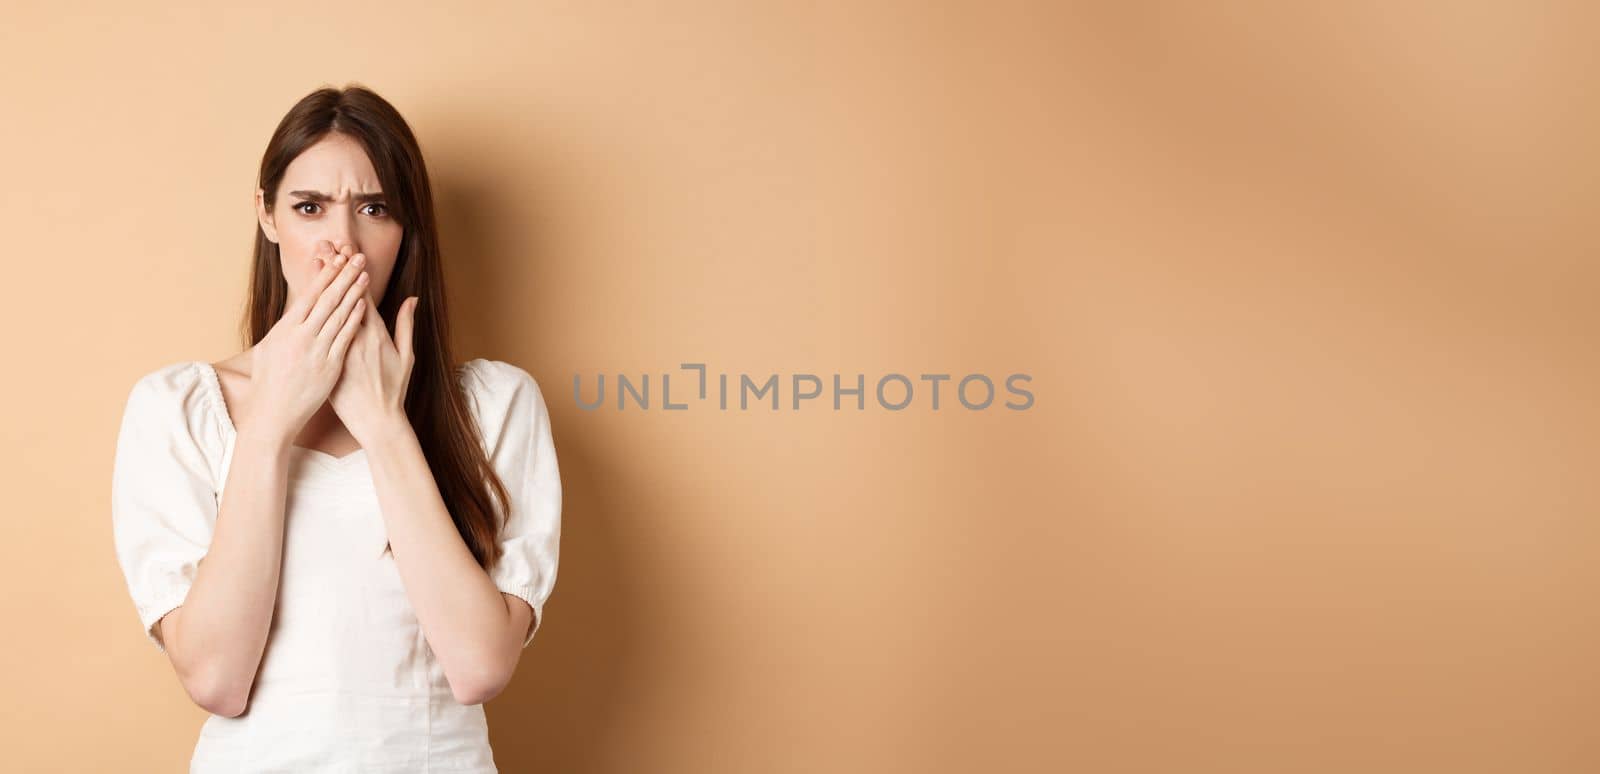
(217,641)
(475,630)
(216,638)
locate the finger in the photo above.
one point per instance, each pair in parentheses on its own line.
(326,271)
(335,321)
(403,322)
(347,331)
(330,297)
(374,322)
(322,250)
(380,329)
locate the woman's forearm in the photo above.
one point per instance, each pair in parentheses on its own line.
(217,637)
(468,622)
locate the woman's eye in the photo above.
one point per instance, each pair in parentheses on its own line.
(382,209)
(305,204)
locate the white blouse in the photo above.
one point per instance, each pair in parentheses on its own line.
(347,681)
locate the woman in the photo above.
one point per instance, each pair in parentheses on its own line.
(341,539)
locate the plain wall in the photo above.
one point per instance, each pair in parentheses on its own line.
(1306,292)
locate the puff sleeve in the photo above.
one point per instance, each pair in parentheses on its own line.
(515,424)
(163,498)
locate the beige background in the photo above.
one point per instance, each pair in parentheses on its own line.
(1307,296)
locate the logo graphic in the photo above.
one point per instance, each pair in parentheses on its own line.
(893,392)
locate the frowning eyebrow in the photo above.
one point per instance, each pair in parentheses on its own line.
(318,196)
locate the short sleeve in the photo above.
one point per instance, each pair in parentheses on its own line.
(516,427)
(163,497)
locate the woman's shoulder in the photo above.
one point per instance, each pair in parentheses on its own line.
(178,397)
(183,382)
(502,395)
(495,379)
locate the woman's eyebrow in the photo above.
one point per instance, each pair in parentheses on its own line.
(318,196)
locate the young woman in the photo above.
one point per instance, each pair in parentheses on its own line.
(342,539)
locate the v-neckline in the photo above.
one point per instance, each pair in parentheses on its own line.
(327,459)
(315,455)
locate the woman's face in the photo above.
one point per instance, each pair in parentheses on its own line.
(330,193)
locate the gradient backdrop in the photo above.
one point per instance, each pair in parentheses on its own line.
(1306,291)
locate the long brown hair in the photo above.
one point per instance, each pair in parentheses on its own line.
(435,400)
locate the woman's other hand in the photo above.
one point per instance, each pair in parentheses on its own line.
(370,396)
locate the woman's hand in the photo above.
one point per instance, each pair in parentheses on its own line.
(370,396)
(295,366)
